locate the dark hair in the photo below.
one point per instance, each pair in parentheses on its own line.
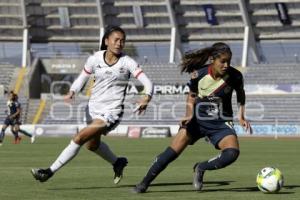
(107,34)
(196,59)
(14,95)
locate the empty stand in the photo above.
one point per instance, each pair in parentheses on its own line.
(193,25)
(11,23)
(267,24)
(6,75)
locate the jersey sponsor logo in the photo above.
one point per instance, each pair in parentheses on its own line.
(108,72)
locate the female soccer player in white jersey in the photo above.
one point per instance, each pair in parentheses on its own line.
(112,70)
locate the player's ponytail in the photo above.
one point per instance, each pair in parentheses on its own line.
(196,59)
(107,33)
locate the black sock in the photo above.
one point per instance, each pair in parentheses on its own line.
(160,163)
(2,134)
(25,133)
(227,157)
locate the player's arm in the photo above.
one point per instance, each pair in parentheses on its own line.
(18,112)
(241,100)
(189,112)
(191,98)
(148,88)
(78,84)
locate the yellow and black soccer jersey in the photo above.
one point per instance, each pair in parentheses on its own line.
(214,96)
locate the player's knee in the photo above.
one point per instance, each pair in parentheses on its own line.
(91,147)
(228,156)
(79,140)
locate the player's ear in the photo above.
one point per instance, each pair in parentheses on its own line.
(106,41)
(210,59)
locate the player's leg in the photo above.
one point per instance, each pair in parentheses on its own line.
(2,134)
(15,132)
(179,143)
(229,147)
(71,150)
(102,149)
(7,123)
(32,137)
(25,132)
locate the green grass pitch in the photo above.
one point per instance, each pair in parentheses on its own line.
(89,177)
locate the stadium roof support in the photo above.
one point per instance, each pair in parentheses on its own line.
(175,43)
(101,21)
(249,38)
(25,34)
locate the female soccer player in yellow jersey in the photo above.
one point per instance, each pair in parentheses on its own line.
(208,113)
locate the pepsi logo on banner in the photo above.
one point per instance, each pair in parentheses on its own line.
(210,14)
(283,13)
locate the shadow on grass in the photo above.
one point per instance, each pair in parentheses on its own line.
(215,183)
(207,186)
(237,189)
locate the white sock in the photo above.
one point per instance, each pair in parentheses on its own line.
(104,152)
(66,155)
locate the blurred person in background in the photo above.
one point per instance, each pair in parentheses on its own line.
(13,112)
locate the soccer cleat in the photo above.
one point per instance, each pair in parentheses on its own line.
(32,139)
(118,167)
(198,177)
(41,175)
(140,188)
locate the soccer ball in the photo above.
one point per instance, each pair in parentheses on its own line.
(269,180)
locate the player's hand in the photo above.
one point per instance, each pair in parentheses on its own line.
(69,97)
(142,105)
(246,125)
(184,121)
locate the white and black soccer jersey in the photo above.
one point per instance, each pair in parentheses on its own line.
(110,83)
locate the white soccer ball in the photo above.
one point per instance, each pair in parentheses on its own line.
(269,180)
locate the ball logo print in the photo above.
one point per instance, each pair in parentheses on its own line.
(269,180)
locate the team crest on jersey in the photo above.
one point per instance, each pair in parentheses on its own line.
(227,89)
(122,70)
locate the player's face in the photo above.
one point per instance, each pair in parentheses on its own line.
(11,96)
(115,42)
(221,63)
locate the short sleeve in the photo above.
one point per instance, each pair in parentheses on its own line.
(133,67)
(89,65)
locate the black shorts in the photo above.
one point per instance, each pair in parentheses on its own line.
(11,122)
(214,130)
